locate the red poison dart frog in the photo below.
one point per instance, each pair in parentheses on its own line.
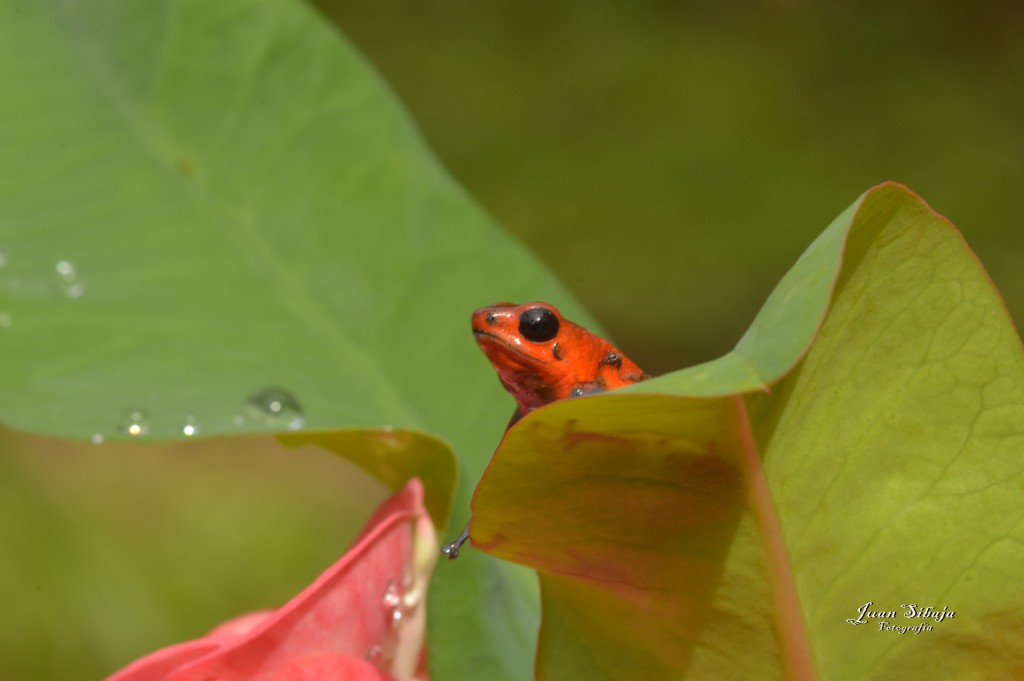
(542,357)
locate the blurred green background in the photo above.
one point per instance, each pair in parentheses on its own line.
(654,151)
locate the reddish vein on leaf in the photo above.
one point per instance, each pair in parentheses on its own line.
(790,630)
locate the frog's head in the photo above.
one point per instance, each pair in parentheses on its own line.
(541,357)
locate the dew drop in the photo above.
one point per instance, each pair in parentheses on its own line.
(276,407)
(392,602)
(5,320)
(191,426)
(97,438)
(380,656)
(391,599)
(73,287)
(136,423)
(66,270)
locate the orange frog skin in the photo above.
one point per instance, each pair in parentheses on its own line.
(541,357)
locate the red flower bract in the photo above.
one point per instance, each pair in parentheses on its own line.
(364,618)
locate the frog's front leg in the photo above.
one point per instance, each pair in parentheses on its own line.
(452,550)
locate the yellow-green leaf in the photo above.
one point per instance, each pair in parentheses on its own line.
(864,443)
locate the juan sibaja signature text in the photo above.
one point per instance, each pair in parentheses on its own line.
(910,611)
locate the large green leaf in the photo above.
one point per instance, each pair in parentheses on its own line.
(200,201)
(863,443)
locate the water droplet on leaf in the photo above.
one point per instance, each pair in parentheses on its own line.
(392,602)
(73,288)
(66,270)
(411,595)
(276,407)
(136,423)
(191,426)
(391,599)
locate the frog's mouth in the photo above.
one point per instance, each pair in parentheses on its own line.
(492,344)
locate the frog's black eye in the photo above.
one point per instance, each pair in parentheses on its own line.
(538,324)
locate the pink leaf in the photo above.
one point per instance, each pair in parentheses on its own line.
(364,618)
